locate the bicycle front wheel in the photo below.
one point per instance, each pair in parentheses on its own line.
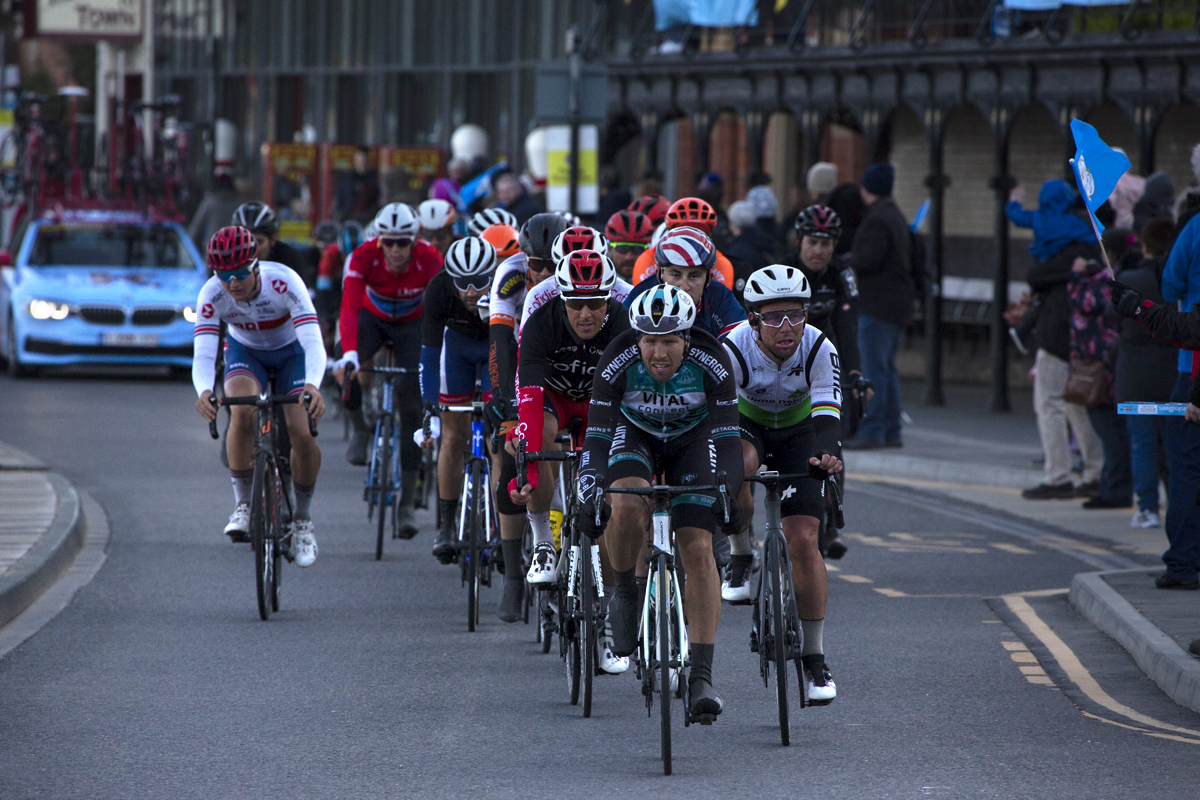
(779,633)
(262,512)
(662,602)
(588,607)
(473,534)
(383,479)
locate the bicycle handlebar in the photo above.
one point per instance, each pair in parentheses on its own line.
(262,401)
(663,490)
(773,479)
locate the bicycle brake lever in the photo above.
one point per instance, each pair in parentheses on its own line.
(724,492)
(839,520)
(312,423)
(212,424)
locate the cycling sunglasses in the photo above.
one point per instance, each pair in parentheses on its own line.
(541,265)
(477,282)
(405,242)
(580,303)
(774,319)
(628,248)
(237,274)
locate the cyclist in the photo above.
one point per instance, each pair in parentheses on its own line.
(629,233)
(329,278)
(382,298)
(687,212)
(257,300)
(514,277)
(653,206)
(454,347)
(437,223)
(683,258)
(789,395)
(482,220)
(664,402)
(504,238)
(263,222)
(577,237)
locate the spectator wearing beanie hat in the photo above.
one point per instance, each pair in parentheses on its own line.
(885,284)
(821,180)
(751,249)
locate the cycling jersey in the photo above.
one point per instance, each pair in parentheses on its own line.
(547,290)
(329,271)
(506,301)
(554,360)
(448,328)
(393,297)
(644,267)
(298,261)
(280,314)
(717,313)
(781,395)
(834,307)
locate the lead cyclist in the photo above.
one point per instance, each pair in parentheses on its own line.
(789,396)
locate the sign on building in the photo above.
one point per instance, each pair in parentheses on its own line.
(558,178)
(89,19)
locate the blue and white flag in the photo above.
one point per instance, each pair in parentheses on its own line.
(477,187)
(705,13)
(1097,168)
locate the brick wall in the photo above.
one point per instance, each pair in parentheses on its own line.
(968,157)
(910,158)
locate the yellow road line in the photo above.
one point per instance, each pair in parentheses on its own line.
(1078,674)
(1098,718)
(858,476)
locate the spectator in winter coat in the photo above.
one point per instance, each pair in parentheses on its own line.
(821,181)
(752,247)
(1128,191)
(1158,201)
(846,200)
(1054,227)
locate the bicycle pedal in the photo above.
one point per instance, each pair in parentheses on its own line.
(704,719)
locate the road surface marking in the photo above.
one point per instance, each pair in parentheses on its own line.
(1155,734)
(1012,548)
(855,579)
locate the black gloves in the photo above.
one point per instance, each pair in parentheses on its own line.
(1127,302)
(499,410)
(585,521)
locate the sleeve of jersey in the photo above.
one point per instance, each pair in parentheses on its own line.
(602,423)
(204,348)
(726,436)
(731,312)
(825,383)
(354,288)
(308,331)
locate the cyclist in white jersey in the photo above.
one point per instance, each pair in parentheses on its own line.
(789,397)
(272,327)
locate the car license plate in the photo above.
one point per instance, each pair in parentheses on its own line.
(131,339)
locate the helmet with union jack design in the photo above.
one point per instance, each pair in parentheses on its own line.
(578,237)
(585,273)
(232,248)
(685,247)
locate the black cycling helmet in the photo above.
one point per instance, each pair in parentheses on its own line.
(538,234)
(257,217)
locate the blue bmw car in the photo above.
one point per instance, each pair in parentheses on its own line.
(98,287)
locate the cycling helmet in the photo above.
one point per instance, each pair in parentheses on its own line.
(232,248)
(326,233)
(257,218)
(434,215)
(776,282)
(662,309)
(658,234)
(469,257)
(653,206)
(571,219)
(397,219)
(629,227)
(819,222)
(351,237)
(489,217)
(692,212)
(371,231)
(585,273)
(578,237)
(538,234)
(685,247)
(503,238)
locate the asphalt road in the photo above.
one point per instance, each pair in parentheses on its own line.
(160,681)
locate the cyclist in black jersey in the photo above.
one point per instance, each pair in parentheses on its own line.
(263,222)
(664,402)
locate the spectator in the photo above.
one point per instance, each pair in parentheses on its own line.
(358,190)
(1054,227)
(449,187)
(1188,204)
(217,206)
(711,189)
(1128,191)
(751,249)
(1094,338)
(650,184)
(612,197)
(1158,201)
(821,181)
(766,207)
(885,283)
(847,203)
(1181,282)
(512,197)
(1146,373)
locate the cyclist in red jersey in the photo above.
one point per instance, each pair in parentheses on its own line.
(382,294)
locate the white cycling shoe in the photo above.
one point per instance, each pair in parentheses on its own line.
(304,544)
(609,663)
(736,587)
(543,569)
(818,681)
(238,528)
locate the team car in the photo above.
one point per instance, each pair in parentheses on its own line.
(98,287)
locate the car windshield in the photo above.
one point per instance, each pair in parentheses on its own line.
(109,245)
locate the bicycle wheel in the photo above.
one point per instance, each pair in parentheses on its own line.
(263,497)
(779,635)
(371,487)
(277,554)
(662,602)
(587,624)
(394,479)
(472,532)
(383,479)
(571,612)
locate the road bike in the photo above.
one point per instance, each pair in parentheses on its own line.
(270,502)
(664,647)
(547,599)
(776,634)
(478,526)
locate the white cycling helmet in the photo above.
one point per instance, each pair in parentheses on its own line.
(570,218)
(663,309)
(578,237)
(776,282)
(659,232)
(371,231)
(435,215)
(485,219)
(585,274)
(397,219)
(470,257)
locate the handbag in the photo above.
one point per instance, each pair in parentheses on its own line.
(1087,383)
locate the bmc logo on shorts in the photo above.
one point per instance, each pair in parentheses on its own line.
(280,286)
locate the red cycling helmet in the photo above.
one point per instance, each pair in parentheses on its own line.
(692,212)
(653,206)
(585,273)
(578,237)
(232,248)
(629,227)
(819,222)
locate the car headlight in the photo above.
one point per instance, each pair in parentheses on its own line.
(48,309)
(189,313)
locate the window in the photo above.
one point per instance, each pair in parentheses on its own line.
(109,245)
